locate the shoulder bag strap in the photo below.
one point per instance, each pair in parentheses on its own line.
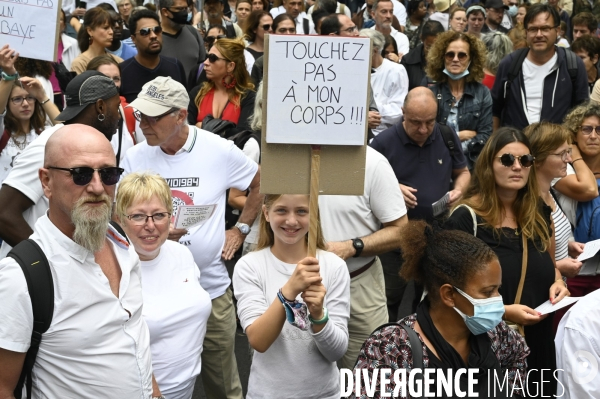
(522,280)
(473,215)
(416,349)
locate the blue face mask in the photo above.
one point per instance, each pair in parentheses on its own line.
(189,17)
(487,313)
(512,10)
(458,75)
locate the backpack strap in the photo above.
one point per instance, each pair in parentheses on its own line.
(306,26)
(448,136)
(36,269)
(230,30)
(572,69)
(118,227)
(515,67)
(4,139)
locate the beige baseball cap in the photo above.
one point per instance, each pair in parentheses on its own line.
(160,95)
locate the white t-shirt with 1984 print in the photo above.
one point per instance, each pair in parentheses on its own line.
(200,174)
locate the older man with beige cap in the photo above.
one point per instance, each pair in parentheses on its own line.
(199,167)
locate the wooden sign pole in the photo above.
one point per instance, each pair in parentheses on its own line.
(313,207)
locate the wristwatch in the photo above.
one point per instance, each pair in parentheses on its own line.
(358,245)
(6,76)
(243,228)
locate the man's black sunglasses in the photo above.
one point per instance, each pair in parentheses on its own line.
(83,175)
(146,31)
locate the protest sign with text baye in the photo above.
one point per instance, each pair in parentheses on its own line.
(31,27)
(342,78)
(318,86)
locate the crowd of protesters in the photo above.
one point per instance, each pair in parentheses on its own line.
(490,107)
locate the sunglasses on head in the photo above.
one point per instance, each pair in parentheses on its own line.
(450,55)
(82,176)
(508,160)
(214,58)
(146,31)
(211,39)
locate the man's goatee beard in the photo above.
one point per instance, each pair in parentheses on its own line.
(91,222)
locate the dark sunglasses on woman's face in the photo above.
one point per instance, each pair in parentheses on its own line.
(214,58)
(212,39)
(83,175)
(451,54)
(508,160)
(146,31)
(266,27)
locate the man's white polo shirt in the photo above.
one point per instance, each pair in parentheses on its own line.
(98,345)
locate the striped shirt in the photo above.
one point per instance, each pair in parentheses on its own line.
(562,231)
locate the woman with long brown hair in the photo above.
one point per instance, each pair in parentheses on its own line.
(258,23)
(503,208)
(229,92)
(315,292)
(25,106)
(94,37)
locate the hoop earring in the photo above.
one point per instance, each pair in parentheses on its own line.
(231,84)
(101,119)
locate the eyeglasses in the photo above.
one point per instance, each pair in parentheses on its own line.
(139,219)
(19,100)
(211,39)
(450,55)
(351,29)
(153,120)
(290,31)
(212,58)
(508,160)
(564,155)
(587,130)
(82,176)
(533,30)
(146,31)
(266,27)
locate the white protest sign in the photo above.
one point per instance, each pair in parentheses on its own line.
(31,27)
(317,89)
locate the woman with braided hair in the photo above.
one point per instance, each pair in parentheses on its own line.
(502,207)
(459,323)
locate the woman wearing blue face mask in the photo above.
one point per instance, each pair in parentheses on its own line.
(502,207)
(459,323)
(455,62)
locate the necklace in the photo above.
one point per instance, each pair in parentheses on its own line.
(20,144)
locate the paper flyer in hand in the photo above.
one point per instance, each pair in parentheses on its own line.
(441,205)
(548,307)
(189,216)
(590,250)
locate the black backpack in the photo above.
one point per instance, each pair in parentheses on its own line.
(40,285)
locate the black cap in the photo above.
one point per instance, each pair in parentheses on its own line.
(85,89)
(495,4)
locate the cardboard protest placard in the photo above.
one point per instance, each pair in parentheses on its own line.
(319,86)
(285,168)
(31,27)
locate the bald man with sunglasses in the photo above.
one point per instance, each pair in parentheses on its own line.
(148,63)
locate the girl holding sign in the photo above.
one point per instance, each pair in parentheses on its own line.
(293,308)
(26,110)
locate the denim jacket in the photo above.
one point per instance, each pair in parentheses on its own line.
(474,113)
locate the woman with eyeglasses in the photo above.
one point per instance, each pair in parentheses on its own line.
(455,62)
(26,110)
(94,37)
(459,322)
(258,23)
(503,208)
(228,94)
(176,307)
(214,33)
(583,122)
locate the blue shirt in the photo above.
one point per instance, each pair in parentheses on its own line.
(427,169)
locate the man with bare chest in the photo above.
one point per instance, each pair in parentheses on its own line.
(98,343)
